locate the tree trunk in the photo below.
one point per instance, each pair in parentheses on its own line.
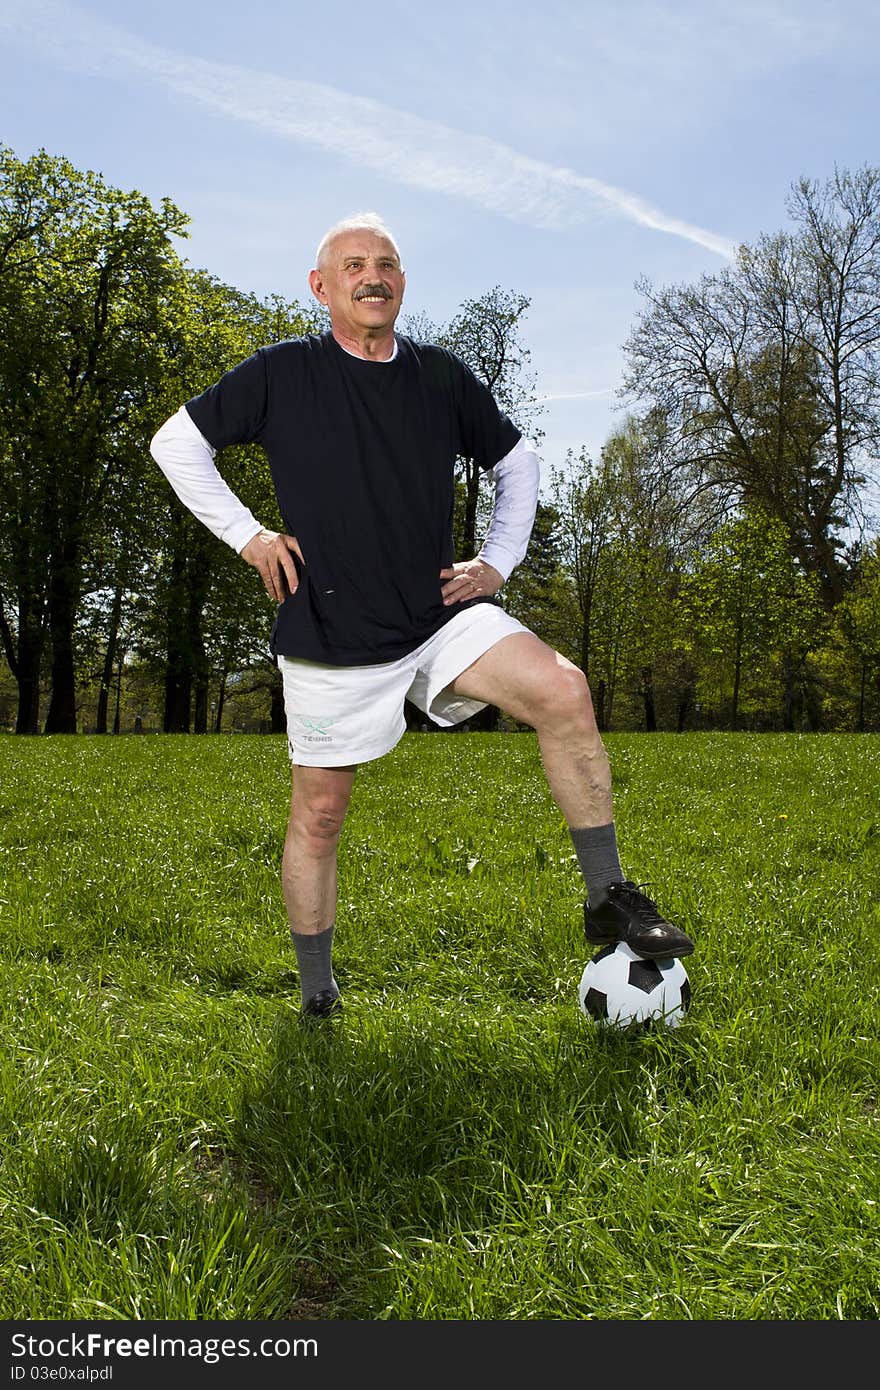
(485,721)
(863,689)
(737,679)
(648,699)
(472,493)
(177,713)
(599,707)
(61,715)
(178,668)
(117,724)
(178,661)
(278,717)
(7,641)
(178,698)
(586,633)
(200,714)
(221,701)
(812,703)
(789,694)
(683,711)
(109,662)
(28,717)
(686,694)
(414,718)
(25,658)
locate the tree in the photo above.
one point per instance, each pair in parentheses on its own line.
(859,615)
(84,271)
(751,617)
(206,599)
(582,495)
(531,592)
(657,524)
(485,334)
(768,371)
(625,522)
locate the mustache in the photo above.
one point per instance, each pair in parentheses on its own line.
(372,291)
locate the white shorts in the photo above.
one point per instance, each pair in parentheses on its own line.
(341,715)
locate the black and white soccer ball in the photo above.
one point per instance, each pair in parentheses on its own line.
(626,990)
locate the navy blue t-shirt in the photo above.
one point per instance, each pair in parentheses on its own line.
(362,456)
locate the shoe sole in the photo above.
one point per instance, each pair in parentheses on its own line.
(667,953)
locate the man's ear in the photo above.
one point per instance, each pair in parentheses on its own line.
(316,285)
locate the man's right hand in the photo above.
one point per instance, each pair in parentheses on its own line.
(271,552)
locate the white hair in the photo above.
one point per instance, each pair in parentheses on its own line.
(358,222)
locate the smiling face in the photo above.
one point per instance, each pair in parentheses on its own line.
(360,281)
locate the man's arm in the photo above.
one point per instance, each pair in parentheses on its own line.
(187,460)
(517,479)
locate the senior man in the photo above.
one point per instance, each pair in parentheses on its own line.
(362,426)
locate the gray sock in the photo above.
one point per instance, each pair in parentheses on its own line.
(313,955)
(596,849)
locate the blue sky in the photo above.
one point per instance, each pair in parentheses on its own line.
(560,151)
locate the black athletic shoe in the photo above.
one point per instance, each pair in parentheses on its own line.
(326,1004)
(628,915)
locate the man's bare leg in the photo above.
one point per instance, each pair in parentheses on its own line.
(318,805)
(537,686)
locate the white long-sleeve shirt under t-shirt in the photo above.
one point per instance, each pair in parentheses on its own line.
(187,460)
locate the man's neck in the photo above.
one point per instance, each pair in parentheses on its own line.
(374,349)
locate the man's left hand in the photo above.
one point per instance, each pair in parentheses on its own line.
(469,579)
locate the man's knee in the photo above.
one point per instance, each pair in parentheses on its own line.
(572,690)
(565,698)
(317,811)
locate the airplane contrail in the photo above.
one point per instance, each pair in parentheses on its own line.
(400,146)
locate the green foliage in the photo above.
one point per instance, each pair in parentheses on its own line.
(749,616)
(209,617)
(860,610)
(681,570)
(106,332)
(530,593)
(626,533)
(83,274)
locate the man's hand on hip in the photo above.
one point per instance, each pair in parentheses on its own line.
(469,579)
(271,552)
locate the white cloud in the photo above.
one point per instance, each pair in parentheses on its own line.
(578,395)
(397,145)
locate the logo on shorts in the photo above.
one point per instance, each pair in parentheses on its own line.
(315,728)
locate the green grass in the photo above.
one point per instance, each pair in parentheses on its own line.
(466,1145)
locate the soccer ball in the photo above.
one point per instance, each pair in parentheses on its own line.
(624,989)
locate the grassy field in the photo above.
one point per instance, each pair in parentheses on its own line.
(466,1145)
